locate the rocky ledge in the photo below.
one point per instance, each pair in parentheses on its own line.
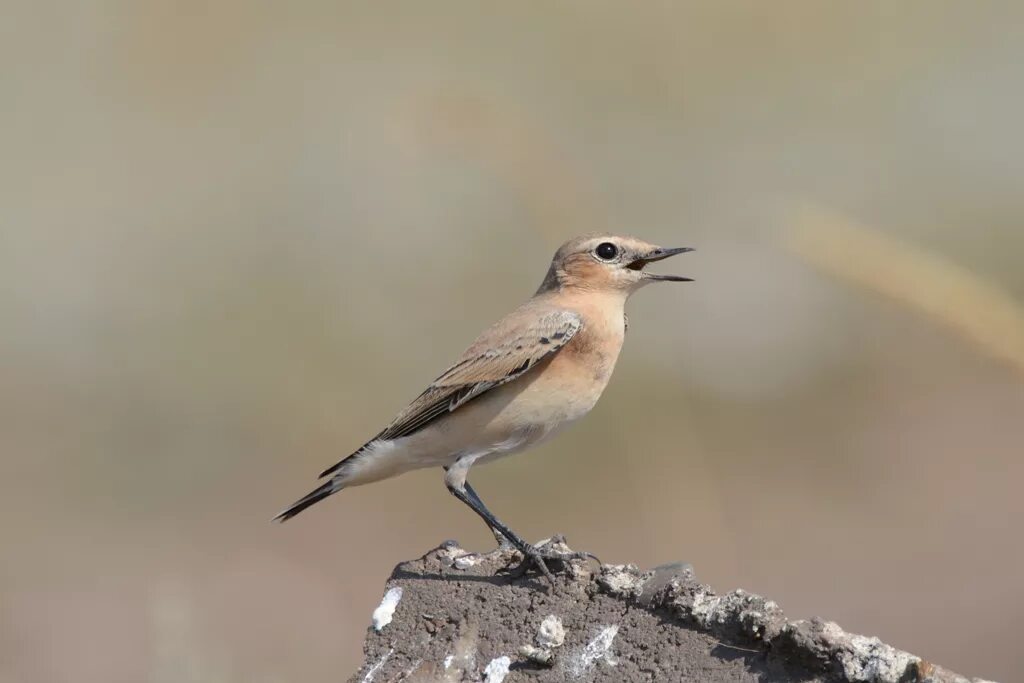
(452,616)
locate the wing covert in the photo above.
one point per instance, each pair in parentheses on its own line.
(499,356)
(504,352)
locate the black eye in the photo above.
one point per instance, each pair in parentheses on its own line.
(606,251)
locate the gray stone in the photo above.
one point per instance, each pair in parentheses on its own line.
(462,621)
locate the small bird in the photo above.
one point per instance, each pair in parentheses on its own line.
(535,371)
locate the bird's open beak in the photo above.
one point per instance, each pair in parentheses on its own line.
(657,255)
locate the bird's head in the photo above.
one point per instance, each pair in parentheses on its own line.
(608,263)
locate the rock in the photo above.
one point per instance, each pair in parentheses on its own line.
(462,621)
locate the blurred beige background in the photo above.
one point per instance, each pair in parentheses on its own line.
(223,223)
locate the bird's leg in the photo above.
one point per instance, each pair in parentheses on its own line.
(504,545)
(455,480)
(505,536)
(503,542)
(531,554)
(459,488)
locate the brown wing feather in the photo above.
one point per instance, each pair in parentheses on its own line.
(501,354)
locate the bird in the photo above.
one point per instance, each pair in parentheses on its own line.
(524,379)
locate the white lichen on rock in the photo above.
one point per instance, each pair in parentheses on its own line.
(869,659)
(705,608)
(466,561)
(550,635)
(497,669)
(622,580)
(368,678)
(598,649)
(386,610)
(551,632)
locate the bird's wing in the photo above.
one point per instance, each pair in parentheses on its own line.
(504,352)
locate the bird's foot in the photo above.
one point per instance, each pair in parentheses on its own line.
(554,551)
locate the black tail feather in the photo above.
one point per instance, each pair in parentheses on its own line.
(333,469)
(313,497)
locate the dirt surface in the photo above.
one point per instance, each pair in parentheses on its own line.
(452,616)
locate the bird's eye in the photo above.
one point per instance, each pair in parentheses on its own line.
(606,251)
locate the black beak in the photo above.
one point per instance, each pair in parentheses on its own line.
(657,255)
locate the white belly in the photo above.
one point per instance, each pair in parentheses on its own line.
(506,420)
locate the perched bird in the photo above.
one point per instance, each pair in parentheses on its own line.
(541,367)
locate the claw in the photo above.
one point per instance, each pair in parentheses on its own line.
(535,559)
(539,556)
(559,539)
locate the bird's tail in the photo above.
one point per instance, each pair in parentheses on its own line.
(311,498)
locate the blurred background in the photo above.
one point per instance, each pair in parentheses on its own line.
(237,237)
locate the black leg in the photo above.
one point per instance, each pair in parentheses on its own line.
(467,495)
(499,536)
(455,480)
